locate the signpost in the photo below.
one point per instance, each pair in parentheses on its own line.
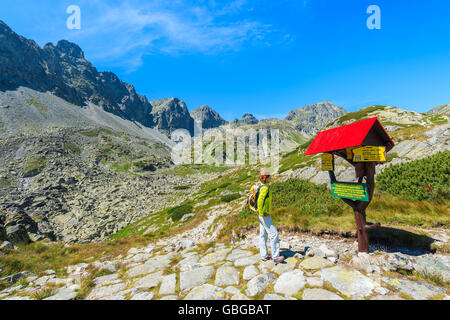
(327,162)
(350,190)
(369,153)
(363,144)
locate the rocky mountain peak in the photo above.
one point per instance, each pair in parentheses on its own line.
(309,119)
(171,114)
(209,117)
(69,48)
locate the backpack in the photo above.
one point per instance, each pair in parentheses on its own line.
(253,197)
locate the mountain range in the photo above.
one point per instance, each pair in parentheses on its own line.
(64,71)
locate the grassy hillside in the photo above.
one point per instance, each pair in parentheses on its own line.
(425,179)
(302,206)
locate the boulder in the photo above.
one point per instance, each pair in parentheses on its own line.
(168,284)
(196,277)
(315,263)
(250,272)
(438,267)
(226,276)
(417,290)
(290,283)
(350,283)
(206,292)
(259,283)
(17,234)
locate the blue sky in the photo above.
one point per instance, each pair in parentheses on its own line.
(257,56)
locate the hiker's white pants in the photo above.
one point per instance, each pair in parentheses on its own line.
(266,227)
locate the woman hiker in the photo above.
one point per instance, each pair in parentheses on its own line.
(266,226)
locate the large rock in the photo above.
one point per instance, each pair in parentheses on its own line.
(315,263)
(140,270)
(438,267)
(288,265)
(247,261)
(259,283)
(196,277)
(319,294)
(325,252)
(214,257)
(65,293)
(17,234)
(150,281)
(168,284)
(206,292)
(15,277)
(418,290)
(290,283)
(226,276)
(350,283)
(250,272)
(238,254)
(103,292)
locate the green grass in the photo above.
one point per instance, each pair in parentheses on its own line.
(42,108)
(91,133)
(299,205)
(188,169)
(34,166)
(72,148)
(183,187)
(360,114)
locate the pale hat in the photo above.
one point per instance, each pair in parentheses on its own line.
(265,172)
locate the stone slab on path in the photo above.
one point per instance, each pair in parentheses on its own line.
(350,283)
(290,282)
(418,290)
(194,278)
(319,294)
(315,263)
(206,292)
(226,276)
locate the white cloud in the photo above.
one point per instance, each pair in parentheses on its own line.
(122,32)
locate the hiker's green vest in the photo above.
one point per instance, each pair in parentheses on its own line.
(264,207)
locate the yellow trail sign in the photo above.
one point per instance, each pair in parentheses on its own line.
(369,153)
(327,162)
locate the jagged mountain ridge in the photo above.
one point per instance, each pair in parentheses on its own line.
(310,119)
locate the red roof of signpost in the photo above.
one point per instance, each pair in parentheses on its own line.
(350,135)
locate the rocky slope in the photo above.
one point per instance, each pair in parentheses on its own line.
(78,174)
(443,109)
(310,119)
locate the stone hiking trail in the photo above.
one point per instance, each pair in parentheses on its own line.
(185,267)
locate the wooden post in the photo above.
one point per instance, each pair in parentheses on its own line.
(362,170)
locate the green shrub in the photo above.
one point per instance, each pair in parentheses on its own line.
(425,179)
(176,213)
(182,187)
(230,197)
